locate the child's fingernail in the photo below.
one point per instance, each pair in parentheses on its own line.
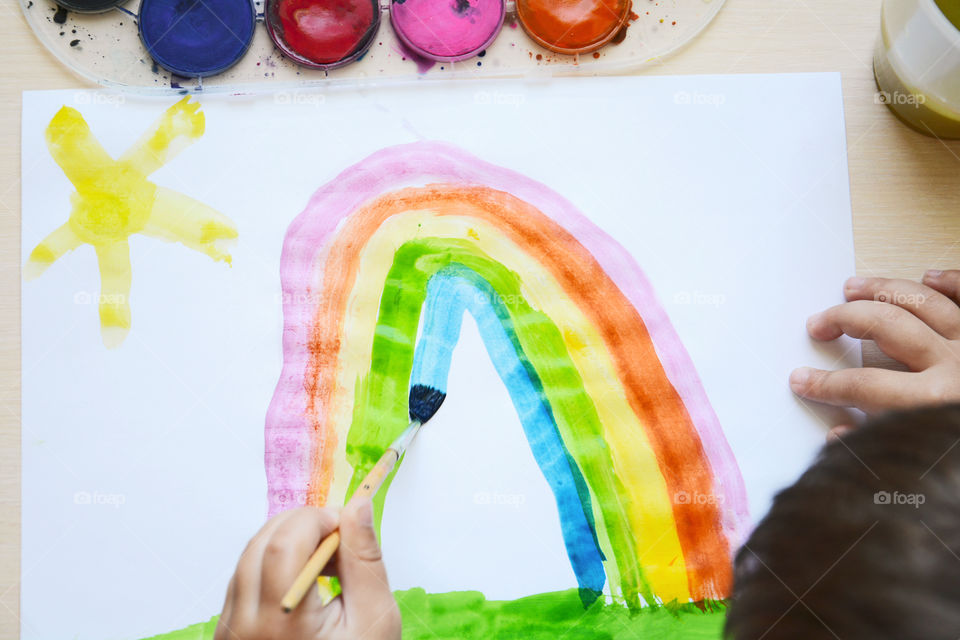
(813,319)
(799,378)
(838,432)
(933,273)
(855,283)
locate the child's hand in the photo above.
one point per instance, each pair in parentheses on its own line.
(270,563)
(916,324)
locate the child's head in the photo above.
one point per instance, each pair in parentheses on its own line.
(865,545)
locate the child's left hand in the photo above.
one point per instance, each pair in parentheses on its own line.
(915,324)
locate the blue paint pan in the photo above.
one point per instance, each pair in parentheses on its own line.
(196,38)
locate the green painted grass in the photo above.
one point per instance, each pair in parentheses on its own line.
(468,615)
(549,616)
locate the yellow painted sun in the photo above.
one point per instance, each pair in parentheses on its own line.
(114,200)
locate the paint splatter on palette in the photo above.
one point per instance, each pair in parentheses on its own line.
(261,46)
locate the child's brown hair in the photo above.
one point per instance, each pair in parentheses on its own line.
(865,545)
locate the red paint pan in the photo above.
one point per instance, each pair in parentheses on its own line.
(322,34)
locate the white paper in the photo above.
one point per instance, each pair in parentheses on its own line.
(143,472)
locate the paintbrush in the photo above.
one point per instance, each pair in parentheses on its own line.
(423,403)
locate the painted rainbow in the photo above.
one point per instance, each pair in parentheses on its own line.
(649,496)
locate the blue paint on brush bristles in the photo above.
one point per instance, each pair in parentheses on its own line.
(194,38)
(424,402)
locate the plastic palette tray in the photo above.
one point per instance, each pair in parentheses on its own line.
(106,49)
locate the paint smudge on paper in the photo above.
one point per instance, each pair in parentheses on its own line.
(114,200)
(650,498)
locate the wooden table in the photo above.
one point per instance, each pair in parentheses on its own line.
(905,187)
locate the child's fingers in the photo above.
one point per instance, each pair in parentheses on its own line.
(367,599)
(289,547)
(898,333)
(228,600)
(938,311)
(222,632)
(946,282)
(250,567)
(869,390)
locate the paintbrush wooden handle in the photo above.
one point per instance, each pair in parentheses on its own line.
(308,575)
(319,559)
(373,480)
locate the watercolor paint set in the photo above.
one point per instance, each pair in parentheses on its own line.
(163,46)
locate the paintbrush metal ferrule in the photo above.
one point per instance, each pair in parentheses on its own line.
(404,439)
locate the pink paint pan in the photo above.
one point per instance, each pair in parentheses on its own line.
(447,30)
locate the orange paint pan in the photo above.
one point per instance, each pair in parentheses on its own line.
(573,26)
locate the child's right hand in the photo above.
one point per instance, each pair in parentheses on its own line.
(274,557)
(915,324)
